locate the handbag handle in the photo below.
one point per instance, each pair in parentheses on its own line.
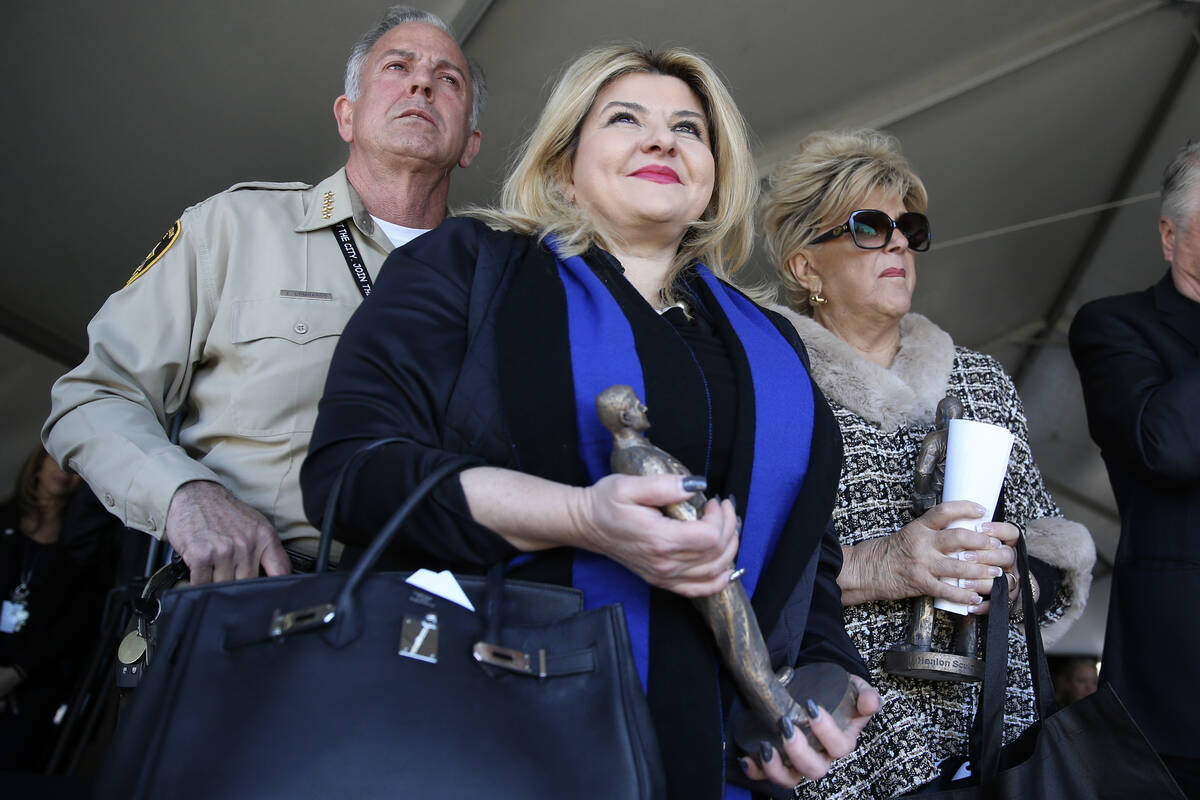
(988,730)
(341,619)
(343,613)
(386,534)
(331,505)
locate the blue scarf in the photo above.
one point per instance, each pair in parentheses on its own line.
(603,353)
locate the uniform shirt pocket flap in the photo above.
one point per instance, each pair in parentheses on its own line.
(297,320)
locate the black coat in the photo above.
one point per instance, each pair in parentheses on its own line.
(463,347)
(1138,357)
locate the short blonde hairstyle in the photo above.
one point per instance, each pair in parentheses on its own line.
(534,200)
(816,189)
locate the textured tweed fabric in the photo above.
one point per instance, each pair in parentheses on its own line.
(920,723)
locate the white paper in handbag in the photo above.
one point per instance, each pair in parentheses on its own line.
(977,456)
(443,584)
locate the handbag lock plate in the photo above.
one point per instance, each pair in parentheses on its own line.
(508,658)
(304,619)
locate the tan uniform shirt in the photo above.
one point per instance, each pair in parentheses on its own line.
(236,321)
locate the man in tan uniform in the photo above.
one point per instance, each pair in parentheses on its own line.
(233,317)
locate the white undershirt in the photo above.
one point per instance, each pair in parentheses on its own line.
(398,234)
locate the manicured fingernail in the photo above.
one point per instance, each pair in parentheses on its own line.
(994,542)
(695,483)
(979,510)
(733,502)
(987,527)
(968,555)
(745,765)
(813,710)
(995,572)
(977,609)
(765,751)
(787,727)
(976,600)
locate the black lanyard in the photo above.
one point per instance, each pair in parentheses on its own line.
(358,270)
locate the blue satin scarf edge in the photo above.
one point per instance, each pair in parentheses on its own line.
(603,353)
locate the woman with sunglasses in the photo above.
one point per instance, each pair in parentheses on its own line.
(843,219)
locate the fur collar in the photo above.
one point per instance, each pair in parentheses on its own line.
(906,394)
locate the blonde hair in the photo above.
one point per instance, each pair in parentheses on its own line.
(818,188)
(533,200)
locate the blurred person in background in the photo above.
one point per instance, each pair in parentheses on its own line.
(1138,357)
(56,549)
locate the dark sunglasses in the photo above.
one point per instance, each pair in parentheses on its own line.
(872,230)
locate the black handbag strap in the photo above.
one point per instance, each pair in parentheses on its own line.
(345,617)
(385,536)
(1039,669)
(329,518)
(988,729)
(495,601)
(343,623)
(988,735)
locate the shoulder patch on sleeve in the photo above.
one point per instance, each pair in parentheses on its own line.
(164,244)
(289,186)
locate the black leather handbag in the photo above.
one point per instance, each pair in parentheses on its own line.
(1090,750)
(360,685)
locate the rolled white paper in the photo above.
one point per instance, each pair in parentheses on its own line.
(976,462)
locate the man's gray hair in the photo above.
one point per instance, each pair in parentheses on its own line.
(404,15)
(1181,179)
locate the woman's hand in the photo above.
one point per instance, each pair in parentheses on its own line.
(913,561)
(807,763)
(1004,557)
(10,678)
(620,518)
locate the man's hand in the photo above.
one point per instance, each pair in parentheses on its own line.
(221,538)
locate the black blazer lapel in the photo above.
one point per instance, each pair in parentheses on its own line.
(1177,312)
(534,353)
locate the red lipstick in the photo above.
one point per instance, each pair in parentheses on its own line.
(657,174)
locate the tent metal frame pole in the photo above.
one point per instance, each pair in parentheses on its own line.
(976,71)
(1091,244)
(39,338)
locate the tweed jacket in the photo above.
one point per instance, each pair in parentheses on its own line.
(884,414)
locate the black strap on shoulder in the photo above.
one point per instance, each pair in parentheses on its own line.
(358,270)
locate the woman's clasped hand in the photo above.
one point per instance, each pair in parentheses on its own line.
(921,557)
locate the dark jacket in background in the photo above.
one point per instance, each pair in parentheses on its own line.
(1138,357)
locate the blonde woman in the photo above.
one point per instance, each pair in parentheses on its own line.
(845,219)
(605,263)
